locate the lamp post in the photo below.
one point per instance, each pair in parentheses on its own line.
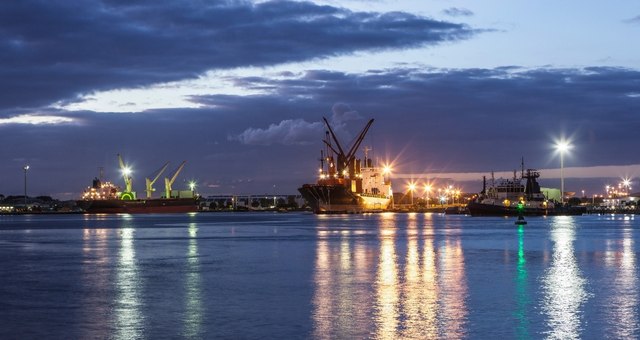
(386,172)
(427,190)
(25,168)
(412,188)
(562,146)
(274,196)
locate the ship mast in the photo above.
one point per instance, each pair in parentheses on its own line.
(366,150)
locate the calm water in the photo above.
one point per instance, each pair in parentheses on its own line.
(383,276)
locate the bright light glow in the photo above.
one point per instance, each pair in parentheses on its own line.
(563,146)
(26,167)
(412,186)
(192,185)
(126,171)
(386,169)
(36,120)
(427,188)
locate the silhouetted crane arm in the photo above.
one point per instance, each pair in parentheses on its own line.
(331,147)
(358,141)
(333,136)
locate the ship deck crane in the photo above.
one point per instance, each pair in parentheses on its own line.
(345,159)
(169,182)
(126,175)
(149,182)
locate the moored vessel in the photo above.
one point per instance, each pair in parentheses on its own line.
(511,197)
(103,197)
(347,184)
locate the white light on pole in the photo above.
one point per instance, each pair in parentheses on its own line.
(562,146)
(412,188)
(25,168)
(427,190)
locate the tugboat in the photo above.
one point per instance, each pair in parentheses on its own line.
(347,184)
(512,198)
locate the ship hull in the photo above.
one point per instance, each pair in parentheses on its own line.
(337,199)
(150,206)
(483,209)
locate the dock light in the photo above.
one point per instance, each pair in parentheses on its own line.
(427,190)
(25,168)
(412,188)
(562,146)
(192,185)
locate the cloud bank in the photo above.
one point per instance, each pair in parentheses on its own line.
(298,131)
(53,51)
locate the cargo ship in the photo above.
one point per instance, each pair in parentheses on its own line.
(509,197)
(103,197)
(347,184)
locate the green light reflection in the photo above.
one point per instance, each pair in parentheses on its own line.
(522,298)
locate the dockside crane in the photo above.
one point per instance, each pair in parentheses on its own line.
(149,182)
(126,175)
(169,182)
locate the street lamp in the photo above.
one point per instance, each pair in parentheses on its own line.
(626,183)
(562,146)
(25,168)
(427,190)
(412,188)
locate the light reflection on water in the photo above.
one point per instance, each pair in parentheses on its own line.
(129,320)
(622,306)
(419,292)
(522,296)
(340,305)
(386,307)
(96,276)
(453,290)
(399,276)
(563,284)
(193,287)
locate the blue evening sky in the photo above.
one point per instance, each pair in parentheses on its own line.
(239,89)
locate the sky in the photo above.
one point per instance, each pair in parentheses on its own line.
(238,89)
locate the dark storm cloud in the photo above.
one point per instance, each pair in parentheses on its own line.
(476,117)
(55,50)
(457,12)
(428,120)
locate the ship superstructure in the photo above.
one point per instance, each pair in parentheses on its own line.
(347,184)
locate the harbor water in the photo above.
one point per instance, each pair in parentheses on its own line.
(296,275)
